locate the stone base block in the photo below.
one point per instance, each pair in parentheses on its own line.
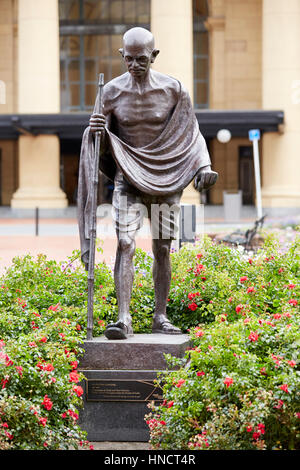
(119,384)
(141,351)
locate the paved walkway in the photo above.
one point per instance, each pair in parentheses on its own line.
(57,235)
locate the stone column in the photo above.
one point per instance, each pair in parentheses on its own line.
(281,90)
(172,27)
(38,92)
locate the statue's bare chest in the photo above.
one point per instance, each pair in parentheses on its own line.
(153,107)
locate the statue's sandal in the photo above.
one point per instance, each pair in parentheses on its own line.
(165,327)
(118,330)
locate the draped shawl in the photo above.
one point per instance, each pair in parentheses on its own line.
(166,165)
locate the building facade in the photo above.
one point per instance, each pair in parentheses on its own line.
(239,60)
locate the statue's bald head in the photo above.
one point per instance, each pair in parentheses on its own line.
(138,51)
(138,37)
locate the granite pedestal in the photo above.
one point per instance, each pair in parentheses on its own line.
(119,383)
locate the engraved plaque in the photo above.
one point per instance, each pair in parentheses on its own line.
(122,390)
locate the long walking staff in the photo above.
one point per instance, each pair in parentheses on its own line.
(93,228)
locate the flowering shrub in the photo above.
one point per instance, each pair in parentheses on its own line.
(238,390)
(39,384)
(212,281)
(238,387)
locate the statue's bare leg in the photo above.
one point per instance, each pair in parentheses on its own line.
(123,276)
(162,282)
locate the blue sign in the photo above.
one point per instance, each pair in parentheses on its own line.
(254,134)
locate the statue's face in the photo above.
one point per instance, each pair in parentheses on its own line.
(138,59)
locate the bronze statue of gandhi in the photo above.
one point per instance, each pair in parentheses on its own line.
(149,128)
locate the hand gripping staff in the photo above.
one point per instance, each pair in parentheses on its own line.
(93,227)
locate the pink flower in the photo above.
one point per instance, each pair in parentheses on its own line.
(253,336)
(243,279)
(180,383)
(291,363)
(291,286)
(293,302)
(20,370)
(199,333)
(32,344)
(228,381)
(230,299)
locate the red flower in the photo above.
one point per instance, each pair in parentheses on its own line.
(253,336)
(249,428)
(284,387)
(8,435)
(250,289)
(47,403)
(74,377)
(193,306)
(48,367)
(291,286)
(256,435)
(43,339)
(230,299)
(74,364)
(54,307)
(78,390)
(200,373)
(261,428)
(170,404)
(163,423)
(243,279)
(250,261)
(199,255)
(238,308)
(263,371)
(291,363)
(280,270)
(32,344)
(279,405)
(228,381)
(43,421)
(191,295)
(293,302)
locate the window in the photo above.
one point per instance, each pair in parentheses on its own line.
(90,37)
(201,54)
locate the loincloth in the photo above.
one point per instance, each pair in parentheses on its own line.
(130,206)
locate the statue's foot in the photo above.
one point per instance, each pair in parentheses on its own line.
(164,326)
(118,330)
